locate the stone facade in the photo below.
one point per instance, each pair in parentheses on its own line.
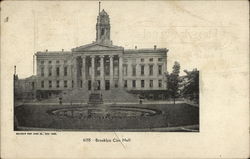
(103,63)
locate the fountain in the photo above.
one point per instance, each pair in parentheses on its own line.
(104,115)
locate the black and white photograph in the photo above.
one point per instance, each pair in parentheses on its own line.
(124,79)
(100,86)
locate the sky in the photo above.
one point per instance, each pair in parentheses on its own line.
(196,34)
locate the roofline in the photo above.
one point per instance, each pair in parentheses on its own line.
(53,53)
(96,43)
(146,50)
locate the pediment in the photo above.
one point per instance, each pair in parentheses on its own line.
(96,47)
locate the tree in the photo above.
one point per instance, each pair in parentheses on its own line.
(173,81)
(191,85)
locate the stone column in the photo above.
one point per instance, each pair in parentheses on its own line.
(83,72)
(120,72)
(75,73)
(102,72)
(92,71)
(111,71)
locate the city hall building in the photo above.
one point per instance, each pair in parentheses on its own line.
(102,66)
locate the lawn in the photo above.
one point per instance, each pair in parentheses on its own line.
(39,116)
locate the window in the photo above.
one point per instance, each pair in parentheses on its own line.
(42,62)
(125,84)
(57,84)
(134,70)
(102,32)
(33,85)
(65,71)
(81,83)
(142,60)
(98,71)
(160,96)
(160,83)
(151,83)
(65,84)
(125,70)
(50,71)
(134,83)
(42,84)
(116,83)
(160,69)
(72,84)
(142,70)
(107,85)
(57,61)
(142,83)
(50,62)
(57,71)
(42,71)
(107,70)
(116,71)
(151,60)
(65,61)
(80,72)
(50,84)
(89,85)
(160,59)
(99,85)
(151,70)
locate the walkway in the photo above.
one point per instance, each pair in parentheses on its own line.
(107,103)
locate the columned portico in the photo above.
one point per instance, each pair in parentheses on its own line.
(82,73)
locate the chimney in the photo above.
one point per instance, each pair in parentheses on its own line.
(135,47)
(62,50)
(46,50)
(155,47)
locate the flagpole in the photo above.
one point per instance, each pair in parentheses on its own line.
(99,6)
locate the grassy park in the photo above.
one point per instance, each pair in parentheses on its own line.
(166,116)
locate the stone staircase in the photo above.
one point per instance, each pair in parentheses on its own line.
(95,98)
(108,96)
(118,95)
(79,96)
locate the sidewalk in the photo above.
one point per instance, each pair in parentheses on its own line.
(187,128)
(109,103)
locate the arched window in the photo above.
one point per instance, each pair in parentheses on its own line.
(102,32)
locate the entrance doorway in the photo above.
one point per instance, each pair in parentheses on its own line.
(89,85)
(107,85)
(99,84)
